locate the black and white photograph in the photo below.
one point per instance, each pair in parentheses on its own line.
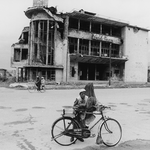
(75,75)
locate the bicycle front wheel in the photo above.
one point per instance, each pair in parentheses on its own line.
(111,132)
(59,129)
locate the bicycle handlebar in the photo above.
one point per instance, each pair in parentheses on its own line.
(100,108)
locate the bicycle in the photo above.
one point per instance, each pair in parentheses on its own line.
(33,88)
(66,127)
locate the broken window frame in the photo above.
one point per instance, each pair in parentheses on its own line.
(43,31)
(17,54)
(43,53)
(115,50)
(73,23)
(73,44)
(105,49)
(84,25)
(116,31)
(24,55)
(51,44)
(25,37)
(106,29)
(95,48)
(35,24)
(84,47)
(95,27)
(51,74)
(44,38)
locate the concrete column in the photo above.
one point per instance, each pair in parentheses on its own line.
(17,76)
(90,26)
(20,52)
(65,50)
(55,41)
(39,37)
(30,74)
(31,42)
(89,47)
(100,48)
(78,42)
(47,42)
(78,24)
(100,29)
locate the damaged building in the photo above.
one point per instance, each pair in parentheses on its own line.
(79,46)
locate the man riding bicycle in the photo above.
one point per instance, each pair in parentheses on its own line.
(38,83)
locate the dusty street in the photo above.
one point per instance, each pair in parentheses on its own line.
(26,118)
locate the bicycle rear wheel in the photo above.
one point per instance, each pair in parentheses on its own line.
(111,132)
(32,88)
(60,128)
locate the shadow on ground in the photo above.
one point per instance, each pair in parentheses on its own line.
(128,145)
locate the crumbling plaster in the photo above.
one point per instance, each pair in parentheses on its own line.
(136,48)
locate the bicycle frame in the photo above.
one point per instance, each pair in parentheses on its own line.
(101,118)
(95,113)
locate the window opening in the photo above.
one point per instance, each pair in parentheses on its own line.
(117,72)
(51,75)
(35,51)
(43,53)
(50,55)
(34,74)
(95,48)
(116,31)
(25,37)
(84,25)
(44,74)
(95,27)
(115,50)
(35,23)
(17,54)
(84,47)
(73,23)
(51,44)
(73,71)
(106,30)
(73,45)
(24,54)
(43,31)
(105,49)
(51,31)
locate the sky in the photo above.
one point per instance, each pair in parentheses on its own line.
(13,19)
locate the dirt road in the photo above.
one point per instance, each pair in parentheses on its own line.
(26,118)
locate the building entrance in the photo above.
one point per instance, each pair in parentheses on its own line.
(89,71)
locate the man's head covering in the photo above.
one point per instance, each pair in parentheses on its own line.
(82,90)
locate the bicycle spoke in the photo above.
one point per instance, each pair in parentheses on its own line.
(59,127)
(57,136)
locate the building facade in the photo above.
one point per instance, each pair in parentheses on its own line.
(79,46)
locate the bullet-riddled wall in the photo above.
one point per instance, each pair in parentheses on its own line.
(136,48)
